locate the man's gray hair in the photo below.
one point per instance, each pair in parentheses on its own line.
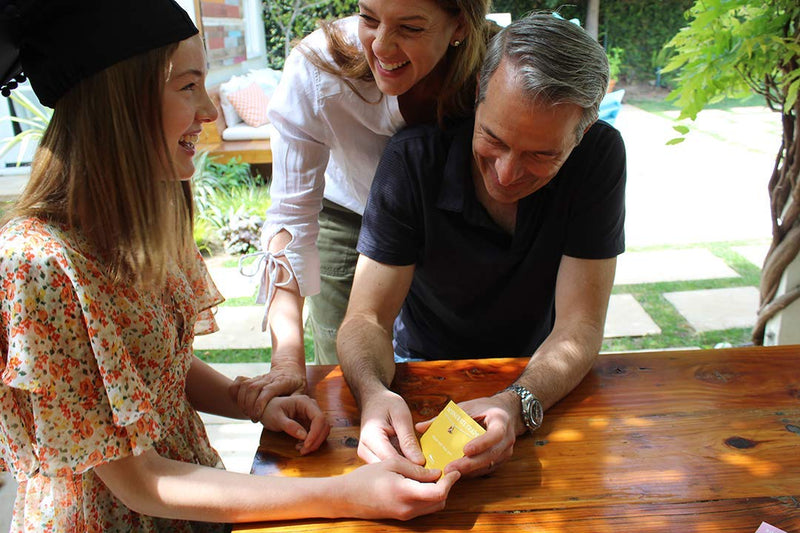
(557,62)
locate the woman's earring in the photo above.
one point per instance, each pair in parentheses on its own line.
(456,44)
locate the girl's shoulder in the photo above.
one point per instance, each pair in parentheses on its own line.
(31,242)
(26,235)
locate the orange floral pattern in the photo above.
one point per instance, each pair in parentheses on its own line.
(91,372)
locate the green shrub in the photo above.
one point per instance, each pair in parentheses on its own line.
(230,205)
(639,27)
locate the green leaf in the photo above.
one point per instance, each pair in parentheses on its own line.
(683,130)
(676,140)
(791,96)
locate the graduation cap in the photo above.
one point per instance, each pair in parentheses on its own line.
(57,43)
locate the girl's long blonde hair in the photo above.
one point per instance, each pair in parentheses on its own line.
(457,96)
(103,168)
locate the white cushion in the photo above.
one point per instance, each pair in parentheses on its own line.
(232,85)
(266,78)
(243,132)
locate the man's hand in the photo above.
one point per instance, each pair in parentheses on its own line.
(253,394)
(300,417)
(385,418)
(500,415)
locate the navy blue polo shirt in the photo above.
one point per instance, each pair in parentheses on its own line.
(477,290)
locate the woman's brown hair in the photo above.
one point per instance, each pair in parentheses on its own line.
(103,168)
(457,97)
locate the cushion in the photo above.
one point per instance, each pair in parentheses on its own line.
(250,103)
(243,132)
(232,85)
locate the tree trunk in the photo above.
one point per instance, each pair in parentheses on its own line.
(784,193)
(593,18)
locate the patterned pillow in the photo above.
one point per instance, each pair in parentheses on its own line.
(251,104)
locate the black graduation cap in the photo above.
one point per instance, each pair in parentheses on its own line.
(58,43)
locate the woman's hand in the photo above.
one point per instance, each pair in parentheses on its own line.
(300,417)
(396,488)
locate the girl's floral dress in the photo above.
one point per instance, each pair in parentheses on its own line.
(91,372)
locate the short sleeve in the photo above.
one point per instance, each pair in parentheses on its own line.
(390,229)
(596,228)
(205,295)
(71,396)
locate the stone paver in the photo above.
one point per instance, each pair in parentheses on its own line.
(717,309)
(236,442)
(239,327)
(754,253)
(627,318)
(231,283)
(670,265)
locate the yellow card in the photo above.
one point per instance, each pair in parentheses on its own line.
(444,440)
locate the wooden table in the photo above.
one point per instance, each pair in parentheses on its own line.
(676,441)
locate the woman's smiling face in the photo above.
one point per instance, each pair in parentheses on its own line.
(186,104)
(404,40)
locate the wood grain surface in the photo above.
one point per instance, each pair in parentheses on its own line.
(696,440)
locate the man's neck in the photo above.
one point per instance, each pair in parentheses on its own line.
(504,215)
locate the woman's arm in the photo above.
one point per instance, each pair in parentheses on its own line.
(301,152)
(152,485)
(287,374)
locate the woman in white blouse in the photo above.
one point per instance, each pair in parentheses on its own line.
(345,90)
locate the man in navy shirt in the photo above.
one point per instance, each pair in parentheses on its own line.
(496,237)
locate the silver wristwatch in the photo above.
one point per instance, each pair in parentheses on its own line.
(532,410)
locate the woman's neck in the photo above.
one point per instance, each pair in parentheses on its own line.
(419,104)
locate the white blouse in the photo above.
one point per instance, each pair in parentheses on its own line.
(329,143)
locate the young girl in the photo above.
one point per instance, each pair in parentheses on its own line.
(102,291)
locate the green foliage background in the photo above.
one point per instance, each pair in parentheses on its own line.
(305,22)
(732,48)
(640,27)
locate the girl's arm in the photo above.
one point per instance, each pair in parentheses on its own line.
(152,485)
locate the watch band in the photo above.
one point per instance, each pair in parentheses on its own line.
(532,410)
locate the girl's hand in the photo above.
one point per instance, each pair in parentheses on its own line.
(396,488)
(300,417)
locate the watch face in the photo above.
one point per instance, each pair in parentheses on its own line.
(537,413)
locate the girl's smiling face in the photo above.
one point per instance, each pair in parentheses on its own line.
(186,104)
(404,40)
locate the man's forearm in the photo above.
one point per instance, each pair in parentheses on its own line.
(366,356)
(560,364)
